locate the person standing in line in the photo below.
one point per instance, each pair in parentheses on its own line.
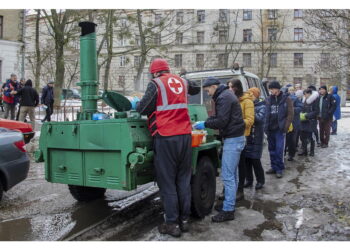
(10,101)
(165,104)
(291,137)
(299,94)
(316,132)
(308,116)
(254,145)
(328,105)
(228,120)
(279,116)
(21,85)
(247,106)
(47,99)
(29,99)
(337,112)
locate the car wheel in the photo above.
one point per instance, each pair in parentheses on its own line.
(81,193)
(1,191)
(203,186)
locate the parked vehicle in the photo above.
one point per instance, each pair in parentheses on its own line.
(70,94)
(248,80)
(14,161)
(25,128)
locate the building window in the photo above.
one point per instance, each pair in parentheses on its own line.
(247,59)
(272,14)
(124,22)
(179,38)
(122,61)
(222,60)
(138,40)
(122,40)
(137,61)
(298,80)
(247,35)
(178,60)
(247,15)
(298,13)
(272,33)
(298,34)
(121,81)
(273,60)
(223,15)
(222,36)
(200,37)
(200,16)
(298,59)
(1,26)
(199,60)
(179,17)
(157,39)
(325,60)
(325,81)
(157,19)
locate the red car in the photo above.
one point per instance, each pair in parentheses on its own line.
(23,127)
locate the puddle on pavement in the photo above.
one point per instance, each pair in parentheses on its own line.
(57,226)
(268,209)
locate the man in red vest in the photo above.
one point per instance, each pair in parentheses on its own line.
(165,104)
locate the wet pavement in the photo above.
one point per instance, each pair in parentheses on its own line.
(311,202)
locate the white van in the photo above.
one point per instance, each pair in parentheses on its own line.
(248,80)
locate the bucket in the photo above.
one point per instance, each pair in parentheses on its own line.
(197,139)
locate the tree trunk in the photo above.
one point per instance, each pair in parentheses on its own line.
(109,30)
(143,52)
(59,74)
(38,55)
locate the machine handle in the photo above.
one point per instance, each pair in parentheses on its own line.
(99,171)
(74,130)
(49,128)
(62,168)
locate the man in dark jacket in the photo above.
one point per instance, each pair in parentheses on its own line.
(228,120)
(47,99)
(10,101)
(337,112)
(29,100)
(279,116)
(327,107)
(291,137)
(165,104)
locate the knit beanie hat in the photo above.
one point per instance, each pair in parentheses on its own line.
(323,87)
(274,85)
(255,91)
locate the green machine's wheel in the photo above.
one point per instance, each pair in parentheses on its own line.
(203,187)
(81,193)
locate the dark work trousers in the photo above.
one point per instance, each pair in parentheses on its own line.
(291,142)
(258,170)
(172,162)
(49,112)
(325,130)
(307,137)
(241,170)
(276,143)
(19,109)
(334,126)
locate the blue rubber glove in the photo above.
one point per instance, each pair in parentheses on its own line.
(134,102)
(199,125)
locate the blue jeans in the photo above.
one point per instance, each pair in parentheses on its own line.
(334,126)
(276,140)
(230,157)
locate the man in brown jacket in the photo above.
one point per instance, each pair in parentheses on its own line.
(279,116)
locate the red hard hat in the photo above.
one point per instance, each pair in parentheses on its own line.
(158,65)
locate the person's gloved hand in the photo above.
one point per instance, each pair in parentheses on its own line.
(199,125)
(134,102)
(302,116)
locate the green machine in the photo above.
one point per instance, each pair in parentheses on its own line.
(92,155)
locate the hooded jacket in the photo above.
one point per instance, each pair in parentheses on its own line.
(337,113)
(228,114)
(298,105)
(311,108)
(283,106)
(247,105)
(254,147)
(328,107)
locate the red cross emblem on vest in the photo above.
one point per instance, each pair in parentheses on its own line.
(175,85)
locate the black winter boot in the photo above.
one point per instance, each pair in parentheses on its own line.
(312,148)
(223,216)
(172,229)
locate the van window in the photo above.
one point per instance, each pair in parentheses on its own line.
(251,82)
(195,99)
